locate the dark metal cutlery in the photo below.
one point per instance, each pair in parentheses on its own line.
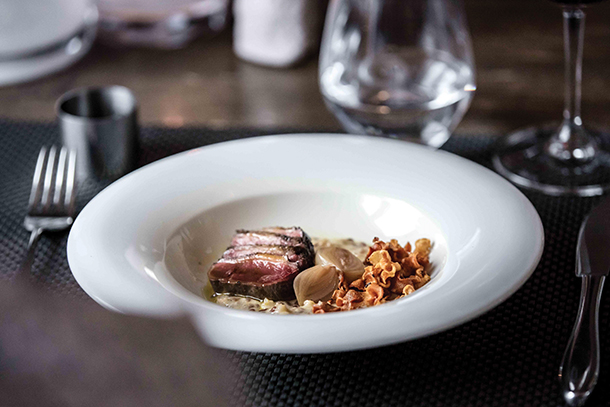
(51,204)
(580,365)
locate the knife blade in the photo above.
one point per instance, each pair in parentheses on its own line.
(594,242)
(579,368)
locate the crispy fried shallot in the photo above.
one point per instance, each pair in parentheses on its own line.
(392,271)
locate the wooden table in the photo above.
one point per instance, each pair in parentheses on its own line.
(518,48)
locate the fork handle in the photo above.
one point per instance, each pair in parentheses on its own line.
(580,366)
(26,266)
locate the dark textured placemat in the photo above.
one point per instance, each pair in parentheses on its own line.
(507,357)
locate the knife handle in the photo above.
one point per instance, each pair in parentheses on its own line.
(580,365)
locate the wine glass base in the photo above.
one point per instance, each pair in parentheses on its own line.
(520,158)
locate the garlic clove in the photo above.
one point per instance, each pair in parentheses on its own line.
(343,260)
(316,283)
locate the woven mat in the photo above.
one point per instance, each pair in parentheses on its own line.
(507,357)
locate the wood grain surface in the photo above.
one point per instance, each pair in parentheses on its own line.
(518,47)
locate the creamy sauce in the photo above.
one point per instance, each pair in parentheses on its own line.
(359,249)
(267,305)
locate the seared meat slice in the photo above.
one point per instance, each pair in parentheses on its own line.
(263,263)
(297,254)
(292,232)
(264,238)
(257,275)
(244,237)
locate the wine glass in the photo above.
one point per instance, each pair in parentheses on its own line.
(564,159)
(396,68)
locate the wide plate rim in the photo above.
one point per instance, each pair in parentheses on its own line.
(76,259)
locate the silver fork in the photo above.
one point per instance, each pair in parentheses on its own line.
(51,204)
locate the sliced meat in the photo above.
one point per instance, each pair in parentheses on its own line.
(257,275)
(292,232)
(244,237)
(266,238)
(263,263)
(298,255)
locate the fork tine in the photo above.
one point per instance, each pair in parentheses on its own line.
(59,178)
(70,177)
(48,178)
(35,193)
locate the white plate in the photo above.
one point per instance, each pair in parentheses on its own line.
(139,245)
(39,37)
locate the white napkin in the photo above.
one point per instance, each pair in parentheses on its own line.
(276,33)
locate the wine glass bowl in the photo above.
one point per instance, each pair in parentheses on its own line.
(397,69)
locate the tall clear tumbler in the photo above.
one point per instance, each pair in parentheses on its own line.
(397,68)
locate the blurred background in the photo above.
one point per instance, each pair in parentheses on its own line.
(518,49)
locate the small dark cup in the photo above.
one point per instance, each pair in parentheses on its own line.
(100,123)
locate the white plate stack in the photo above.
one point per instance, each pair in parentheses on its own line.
(39,37)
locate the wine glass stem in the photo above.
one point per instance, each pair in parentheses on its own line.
(573,31)
(571,144)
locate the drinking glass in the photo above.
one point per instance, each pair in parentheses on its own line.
(396,68)
(563,159)
(160,23)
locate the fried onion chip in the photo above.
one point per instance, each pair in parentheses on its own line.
(392,271)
